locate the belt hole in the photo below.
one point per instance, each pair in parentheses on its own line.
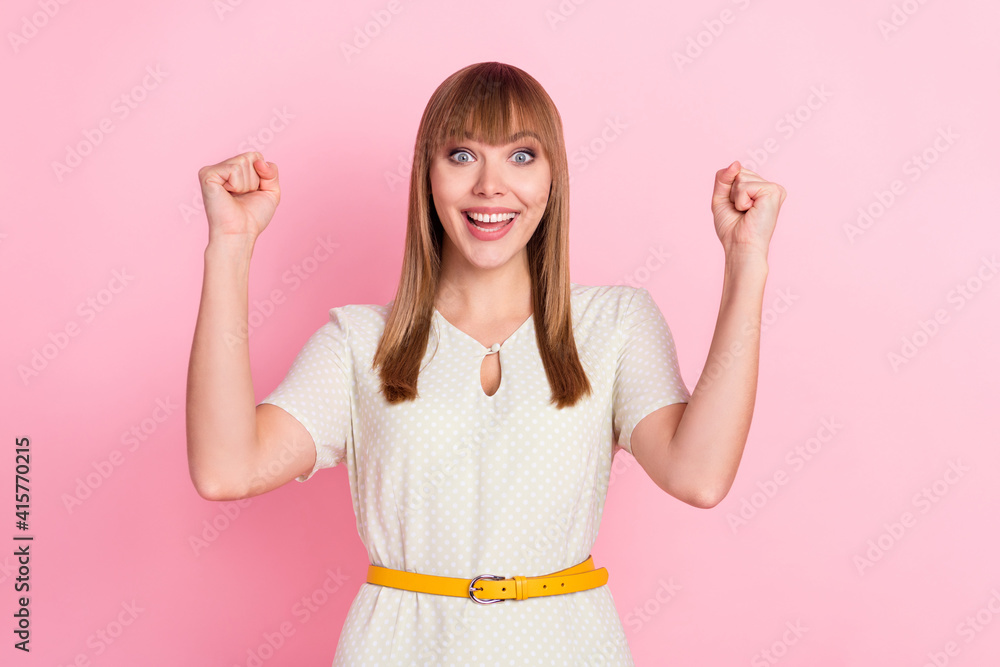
(504,588)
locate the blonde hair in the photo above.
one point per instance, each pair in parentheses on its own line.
(488,102)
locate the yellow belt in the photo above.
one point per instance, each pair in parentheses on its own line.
(492,588)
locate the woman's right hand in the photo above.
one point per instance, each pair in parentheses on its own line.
(240,195)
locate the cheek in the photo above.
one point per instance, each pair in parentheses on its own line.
(542,198)
(540,188)
(533,193)
(444,189)
(439,197)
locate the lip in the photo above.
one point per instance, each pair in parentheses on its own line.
(488,209)
(489,236)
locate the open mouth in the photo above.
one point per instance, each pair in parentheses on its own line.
(490,223)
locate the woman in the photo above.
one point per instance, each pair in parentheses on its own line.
(479,411)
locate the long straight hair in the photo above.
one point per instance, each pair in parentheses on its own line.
(487,102)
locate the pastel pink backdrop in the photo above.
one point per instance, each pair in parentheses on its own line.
(812,560)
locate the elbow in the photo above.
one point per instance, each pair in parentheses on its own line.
(208,492)
(707,497)
(705,501)
(212,489)
(701,494)
(212,483)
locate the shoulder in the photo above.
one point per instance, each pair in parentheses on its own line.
(599,314)
(361,314)
(358,323)
(602,301)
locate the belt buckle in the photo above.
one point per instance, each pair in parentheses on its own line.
(472,587)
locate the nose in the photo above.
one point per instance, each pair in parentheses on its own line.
(490,181)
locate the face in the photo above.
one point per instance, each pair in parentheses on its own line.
(510,183)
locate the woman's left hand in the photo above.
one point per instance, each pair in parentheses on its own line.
(746,208)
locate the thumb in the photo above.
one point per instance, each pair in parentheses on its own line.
(724,179)
(268,173)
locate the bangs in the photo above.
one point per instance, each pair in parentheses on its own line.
(493,108)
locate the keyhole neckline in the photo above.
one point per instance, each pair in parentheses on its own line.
(483,349)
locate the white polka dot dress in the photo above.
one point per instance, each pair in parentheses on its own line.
(458,483)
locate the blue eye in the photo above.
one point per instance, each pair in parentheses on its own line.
(458,151)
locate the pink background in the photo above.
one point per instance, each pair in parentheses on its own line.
(822,98)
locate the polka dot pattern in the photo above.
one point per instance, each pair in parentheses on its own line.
(458,483)
(648,376)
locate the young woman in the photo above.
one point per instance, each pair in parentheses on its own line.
(479,411)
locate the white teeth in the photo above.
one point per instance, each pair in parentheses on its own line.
(495,217)
(494,229)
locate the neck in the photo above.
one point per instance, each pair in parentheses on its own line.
(498,293)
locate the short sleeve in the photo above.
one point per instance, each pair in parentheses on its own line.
(647,376)
(317,391)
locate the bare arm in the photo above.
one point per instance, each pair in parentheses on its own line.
(692,451)
(235,449)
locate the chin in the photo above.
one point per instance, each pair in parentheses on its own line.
(487,261)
